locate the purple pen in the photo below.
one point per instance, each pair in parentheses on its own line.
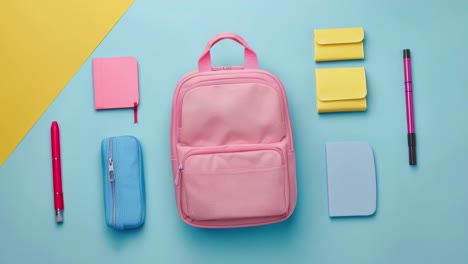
(409,107)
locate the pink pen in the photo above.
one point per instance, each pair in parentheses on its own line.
(409,107)
(56,172)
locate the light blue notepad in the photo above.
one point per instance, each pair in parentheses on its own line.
(351,179)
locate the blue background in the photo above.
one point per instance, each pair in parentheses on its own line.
(422,211)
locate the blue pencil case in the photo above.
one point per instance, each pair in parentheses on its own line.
(124,185)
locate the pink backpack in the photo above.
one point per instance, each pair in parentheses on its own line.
(232,145)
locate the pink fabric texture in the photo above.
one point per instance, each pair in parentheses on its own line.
(232,145)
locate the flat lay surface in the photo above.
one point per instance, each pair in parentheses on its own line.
(422,210)
(44,44)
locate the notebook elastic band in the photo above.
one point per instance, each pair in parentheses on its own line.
(135,112)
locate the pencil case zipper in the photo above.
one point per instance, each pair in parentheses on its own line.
(111,179)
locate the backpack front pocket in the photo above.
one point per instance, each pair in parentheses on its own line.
(232,183)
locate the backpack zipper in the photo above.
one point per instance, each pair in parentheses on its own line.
(179,174)
(112,180)
(216,150)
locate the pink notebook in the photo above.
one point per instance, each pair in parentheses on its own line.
(116,83)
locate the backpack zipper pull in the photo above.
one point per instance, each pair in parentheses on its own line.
(177,178)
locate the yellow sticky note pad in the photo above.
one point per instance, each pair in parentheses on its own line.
(339,44)
(341,89)
(43,43)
